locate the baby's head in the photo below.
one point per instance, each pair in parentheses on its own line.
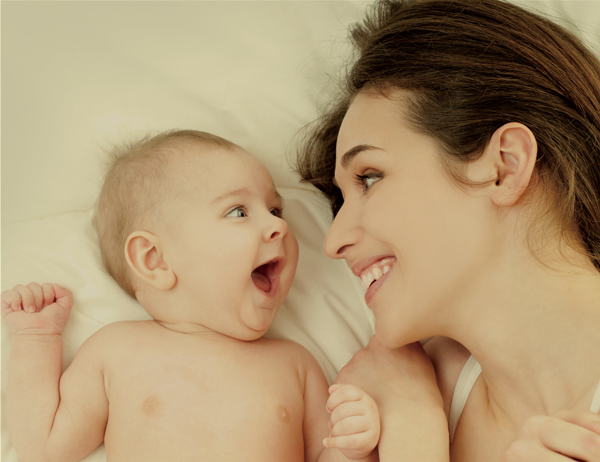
(190,225)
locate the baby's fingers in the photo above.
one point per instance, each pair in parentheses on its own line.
(11,301)
(349,425)
(38,295)
(348,409)
(64,297)
(341,394)
(27,298)
(48,294)
(354,441)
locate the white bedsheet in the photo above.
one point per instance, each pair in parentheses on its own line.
(79,75)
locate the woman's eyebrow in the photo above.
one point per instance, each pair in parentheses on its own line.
(353,152)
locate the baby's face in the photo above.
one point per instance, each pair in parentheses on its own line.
(232,253)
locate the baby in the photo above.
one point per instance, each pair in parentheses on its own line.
(190,225)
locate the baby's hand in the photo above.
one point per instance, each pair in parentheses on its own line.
(41,309)
(354,424)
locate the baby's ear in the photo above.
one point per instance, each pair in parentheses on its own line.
(144,255)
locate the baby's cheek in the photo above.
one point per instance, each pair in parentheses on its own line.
(292,251)
(291,263)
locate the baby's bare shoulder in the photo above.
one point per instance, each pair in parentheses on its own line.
(117,334)
(123,328)
(291,353)
(286,347)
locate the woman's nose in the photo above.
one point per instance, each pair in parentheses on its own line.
(343,233)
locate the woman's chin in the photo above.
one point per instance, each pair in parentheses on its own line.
(391,337)
(388,337)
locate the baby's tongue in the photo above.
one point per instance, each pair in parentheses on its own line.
(261,281)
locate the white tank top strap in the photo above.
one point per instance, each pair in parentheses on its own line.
(466,380)
(595,407)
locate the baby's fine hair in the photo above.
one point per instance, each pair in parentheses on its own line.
(466,68)
(134,192)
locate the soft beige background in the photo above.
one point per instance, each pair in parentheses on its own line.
(77,76)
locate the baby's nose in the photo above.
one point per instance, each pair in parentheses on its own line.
(277,230)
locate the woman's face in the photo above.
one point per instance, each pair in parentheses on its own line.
(404,222)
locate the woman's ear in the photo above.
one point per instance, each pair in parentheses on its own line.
(144,255)
(513,151)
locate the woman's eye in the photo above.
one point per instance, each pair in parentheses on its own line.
(237,212)
(367,180)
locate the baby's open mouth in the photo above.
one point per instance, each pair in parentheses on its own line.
(265,276)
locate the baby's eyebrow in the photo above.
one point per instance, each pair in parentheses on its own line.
(235,193)
(279,196)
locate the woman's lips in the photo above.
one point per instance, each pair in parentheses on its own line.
(375,275)
(370,293)
(376,271)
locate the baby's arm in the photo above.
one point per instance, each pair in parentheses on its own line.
(49,417)
(352,430)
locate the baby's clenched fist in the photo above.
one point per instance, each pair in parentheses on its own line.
(354,424)
(37,308)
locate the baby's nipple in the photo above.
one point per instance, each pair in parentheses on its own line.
(151,405)
(283,414)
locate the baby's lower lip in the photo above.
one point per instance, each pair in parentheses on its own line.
(272,290)
(372,290)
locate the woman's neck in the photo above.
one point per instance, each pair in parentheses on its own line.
(536,333)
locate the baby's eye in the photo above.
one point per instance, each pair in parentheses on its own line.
(367,180)
(237,212)
(277,212)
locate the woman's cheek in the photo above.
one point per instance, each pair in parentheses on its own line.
(382,216)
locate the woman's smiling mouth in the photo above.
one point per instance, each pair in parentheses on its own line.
(373,271)
(376,271)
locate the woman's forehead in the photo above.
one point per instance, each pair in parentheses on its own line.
(371,122)
(369,116)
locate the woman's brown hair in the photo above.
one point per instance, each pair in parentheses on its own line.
(469,67)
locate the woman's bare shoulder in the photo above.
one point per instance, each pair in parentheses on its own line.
(448,358)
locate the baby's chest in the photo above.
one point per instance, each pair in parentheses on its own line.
(213,403)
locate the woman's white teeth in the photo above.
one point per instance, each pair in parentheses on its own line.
(375,274)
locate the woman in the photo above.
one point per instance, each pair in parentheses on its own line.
(462,164)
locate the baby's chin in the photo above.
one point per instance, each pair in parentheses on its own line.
(249,334)
(257,321)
